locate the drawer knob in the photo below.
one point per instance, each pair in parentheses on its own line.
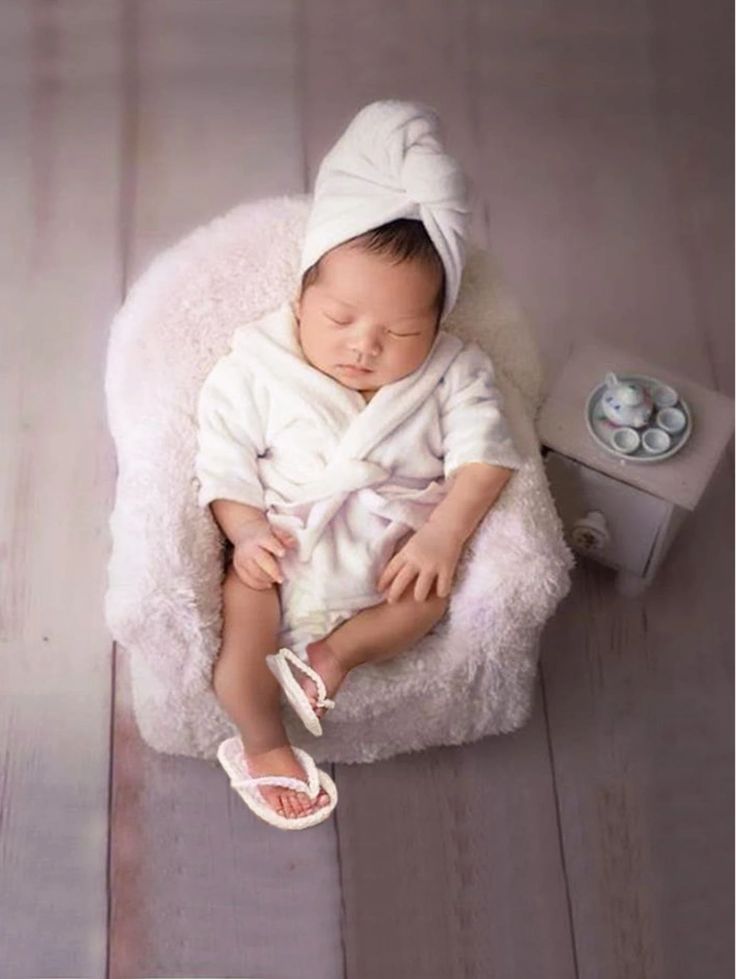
(590,533)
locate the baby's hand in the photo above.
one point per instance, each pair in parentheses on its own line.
(252,554)
(429,553)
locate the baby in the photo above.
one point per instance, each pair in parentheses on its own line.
(348,447)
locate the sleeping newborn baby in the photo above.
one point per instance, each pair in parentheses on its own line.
(348,446)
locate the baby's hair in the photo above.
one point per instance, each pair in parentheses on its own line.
(402,239)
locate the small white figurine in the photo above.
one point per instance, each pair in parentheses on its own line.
(626,403)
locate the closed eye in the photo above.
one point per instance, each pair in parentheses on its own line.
(392,332)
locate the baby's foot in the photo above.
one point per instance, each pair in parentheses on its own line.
(286,802)
(323,660)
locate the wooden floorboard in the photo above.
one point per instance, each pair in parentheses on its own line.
(639,691)
(200,886)
(691,55)
(582,212)
(451,862)
(59,97)
(639,695)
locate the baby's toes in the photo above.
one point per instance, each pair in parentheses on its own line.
(295,805)
(310,689)
(286,805)
(304,802)
(275,800)
(282,806)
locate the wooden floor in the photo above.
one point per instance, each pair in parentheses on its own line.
(596,843)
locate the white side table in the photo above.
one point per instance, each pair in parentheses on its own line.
(637,508)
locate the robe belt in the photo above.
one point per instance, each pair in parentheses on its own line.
(341,476)
(338,480)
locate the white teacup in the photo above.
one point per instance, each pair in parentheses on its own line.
(672,420)
(655,441)
(626,440)
(665,396)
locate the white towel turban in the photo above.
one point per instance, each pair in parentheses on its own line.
(388,164)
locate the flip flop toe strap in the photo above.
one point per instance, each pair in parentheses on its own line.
(310,786)
(284,781)
(323,699)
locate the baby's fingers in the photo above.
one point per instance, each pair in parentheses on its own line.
(257,572)
(273,544)
(251,575)
(423,586)
(259,582)
(403,578)
(444,581)
(264,560)
(285,537)
(389,573)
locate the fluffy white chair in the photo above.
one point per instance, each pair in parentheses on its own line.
(471,676)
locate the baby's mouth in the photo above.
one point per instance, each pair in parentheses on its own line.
(351,368)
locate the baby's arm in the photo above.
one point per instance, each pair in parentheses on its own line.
(474,488)
(230,439)
(232,517)
(479,459)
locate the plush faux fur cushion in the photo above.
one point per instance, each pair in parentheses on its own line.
(471,676)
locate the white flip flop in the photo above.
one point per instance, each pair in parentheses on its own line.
(231,756)
(278,664)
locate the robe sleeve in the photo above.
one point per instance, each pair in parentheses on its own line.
(474,427)
(229,437)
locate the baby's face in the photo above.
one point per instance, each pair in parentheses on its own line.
(364,311)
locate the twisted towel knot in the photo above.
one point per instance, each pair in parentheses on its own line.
(430,178)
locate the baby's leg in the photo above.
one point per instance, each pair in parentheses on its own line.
(373,634)
(250,693)
(241,680)
(383,631)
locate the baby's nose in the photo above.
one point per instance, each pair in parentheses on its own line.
(366,348)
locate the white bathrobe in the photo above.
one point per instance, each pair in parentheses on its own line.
(347,478)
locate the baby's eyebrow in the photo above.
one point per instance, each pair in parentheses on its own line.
(342,302)
(409,316)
